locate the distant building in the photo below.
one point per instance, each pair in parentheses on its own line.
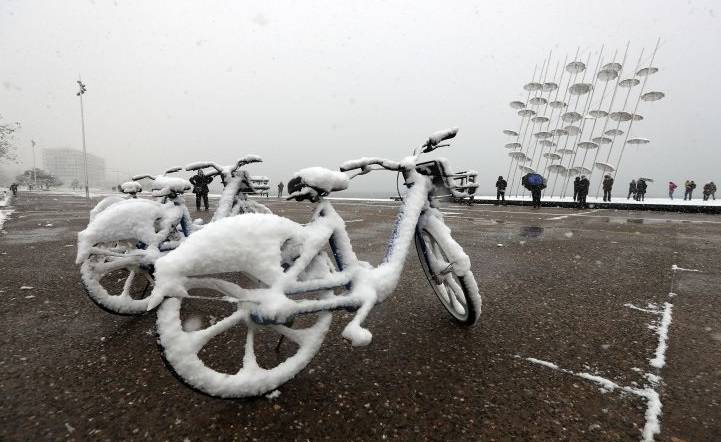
(67,164)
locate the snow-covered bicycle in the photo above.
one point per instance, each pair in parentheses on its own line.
(246,285)
(124,238)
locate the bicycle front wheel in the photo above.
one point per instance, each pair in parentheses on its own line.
(458,293)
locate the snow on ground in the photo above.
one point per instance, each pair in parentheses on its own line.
(4,202)
(618,200)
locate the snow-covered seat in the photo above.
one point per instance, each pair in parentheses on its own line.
(164,185)
(131,187)
(322,181)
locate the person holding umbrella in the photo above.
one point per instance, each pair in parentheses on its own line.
(535,183)
(641,189)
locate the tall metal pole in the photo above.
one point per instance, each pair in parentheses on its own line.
(35,176)
(638,100)
(80,93)
(518,137)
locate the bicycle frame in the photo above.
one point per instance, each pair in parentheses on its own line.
(363,286)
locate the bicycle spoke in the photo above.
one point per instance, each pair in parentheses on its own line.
(458,299)
(128,284)
(249,361)
(201,337)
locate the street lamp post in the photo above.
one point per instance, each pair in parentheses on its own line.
(80,93)
(35,177)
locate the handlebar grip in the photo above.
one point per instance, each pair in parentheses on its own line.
(441,135)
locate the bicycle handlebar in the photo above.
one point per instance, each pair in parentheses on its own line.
(364,163)
(435,139)
(142,176)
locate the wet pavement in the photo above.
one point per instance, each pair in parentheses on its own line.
(565,293)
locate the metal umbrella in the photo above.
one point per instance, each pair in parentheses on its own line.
(556,168)
(575,67)
(580,170)
(571,117)
(517,155)
(612,66)
(557,104)
(527,169)
(587,145)
(547,143)
(559,132)
(513,146)
(621,116)
(517,104)
(613,132)
(607,74)
(602,140)
(629,82)
(605,167)
(512,133)
(652,96)
(645,72)
(638,141)
(564,150)
(526,113)
(533,86)
(552,156)
(636,117)
(540,119)
(537,101)
(580,88)
(572,130)
(598,113)
(543,135)
(549,86)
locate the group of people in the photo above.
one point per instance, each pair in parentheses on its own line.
(709,190)
(637,189)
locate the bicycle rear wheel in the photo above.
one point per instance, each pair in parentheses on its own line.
(458,293)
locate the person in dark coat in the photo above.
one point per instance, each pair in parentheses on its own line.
(712,189)
(583,186)
(280,189)
(200,188)
(501,185)
(689,186)
(14,189)
(607,186)
(671,188)
(575,188)
(641,190)
(632,189)
(535,189)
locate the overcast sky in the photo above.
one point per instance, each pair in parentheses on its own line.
(306,83)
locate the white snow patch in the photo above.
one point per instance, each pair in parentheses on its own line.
(660,359)
(681,269)
(27,287)
(273,394)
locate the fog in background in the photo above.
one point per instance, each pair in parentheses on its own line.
(320,82)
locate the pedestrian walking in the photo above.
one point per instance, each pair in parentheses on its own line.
(607,186)
(708,189)
(14,189)
(712,190)
(632,189)
(200,183)
(689,185)
(671,188)
(583,186)
(575,188)
(501,185)
(535,183)
(280,189)
(641,190)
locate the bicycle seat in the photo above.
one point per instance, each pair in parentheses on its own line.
(164,185)
(131,187)
(321,180)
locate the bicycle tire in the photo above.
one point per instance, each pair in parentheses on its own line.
(105,295)
(468,297)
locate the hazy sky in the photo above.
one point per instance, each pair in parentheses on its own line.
(306,83)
